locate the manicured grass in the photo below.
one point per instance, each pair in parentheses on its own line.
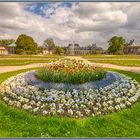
(16,60)
(30,56)
(119,62)
(23,62)
(17,123)
(112,56)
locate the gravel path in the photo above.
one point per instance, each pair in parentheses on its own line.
(14,68)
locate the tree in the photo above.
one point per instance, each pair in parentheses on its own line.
(40,49)
(49,43)
(26,45)
(116,45)
(59,50)
(6,42)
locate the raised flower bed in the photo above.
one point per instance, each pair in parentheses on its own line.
(100,93)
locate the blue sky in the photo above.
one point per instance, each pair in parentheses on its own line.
(82,22)
(38,8)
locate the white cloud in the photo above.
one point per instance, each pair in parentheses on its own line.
(83,22)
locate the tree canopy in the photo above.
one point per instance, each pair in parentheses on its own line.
(59,50)
(6,42)
(26,45)
(116,45)
(49,43)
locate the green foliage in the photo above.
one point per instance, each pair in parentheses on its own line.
(6,42)
(116,45)
(40,50)
(70,71)
(26,45)
(20,51)
(77,77)
(49,43)
(59,50)
(19,123)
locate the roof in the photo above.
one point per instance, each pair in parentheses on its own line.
(12,45)
(2,48)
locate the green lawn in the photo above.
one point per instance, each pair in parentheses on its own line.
(30,56)
(112,56)
(16,60)
(23,62)
(17,123)
(123,60)
(118,62)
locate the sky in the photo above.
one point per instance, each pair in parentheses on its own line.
(65,22)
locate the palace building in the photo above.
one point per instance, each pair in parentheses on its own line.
(76,49)
(131,48)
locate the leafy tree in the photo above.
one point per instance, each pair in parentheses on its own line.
(6,42)
(26,45)
(59,50)
(20,51)
(40,49)
(116,45)
(49,43)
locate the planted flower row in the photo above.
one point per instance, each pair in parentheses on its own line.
(69,71)
(75,103)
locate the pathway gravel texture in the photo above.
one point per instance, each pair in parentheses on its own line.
(14,68)
(107,65)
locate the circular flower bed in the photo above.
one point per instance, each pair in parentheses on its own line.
(109,94)
(69,71)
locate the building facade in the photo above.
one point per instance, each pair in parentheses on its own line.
(46,51)
(11,48)
(3,51)
(75,49)
(131,48)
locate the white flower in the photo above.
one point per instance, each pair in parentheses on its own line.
(105,104)
(45,112)
(122,106)
(6,99)
(26,107)
(110,108)
(70,112)
(36,109)
(87,111)
(117,107)
(95,109)
(98,113)
(60,111)
(18,104)
(128,103)
(79,114)
(92,114)
(11,102)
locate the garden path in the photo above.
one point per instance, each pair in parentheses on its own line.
(14,68)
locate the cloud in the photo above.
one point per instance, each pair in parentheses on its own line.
(84,23)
